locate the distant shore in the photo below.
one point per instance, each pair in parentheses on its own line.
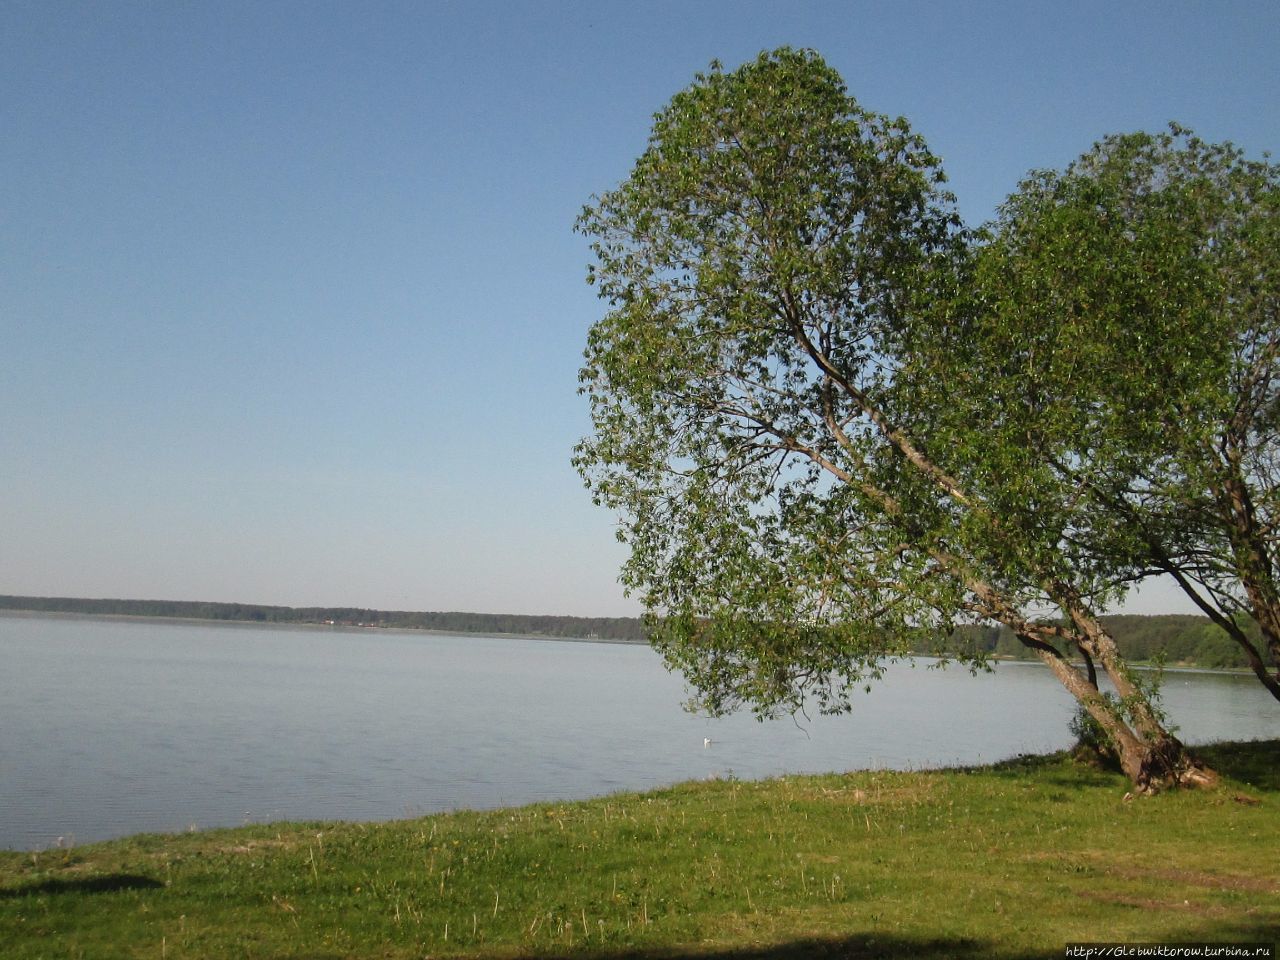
(355,629)
(538,626)
(1181,641)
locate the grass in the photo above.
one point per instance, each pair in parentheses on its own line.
(1006,861)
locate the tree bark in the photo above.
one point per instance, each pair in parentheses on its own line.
(1153,762)
(1249,550)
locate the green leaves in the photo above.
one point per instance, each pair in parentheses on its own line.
(830,419)
(1132,300)
(771,217)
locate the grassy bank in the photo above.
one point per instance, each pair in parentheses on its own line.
(1009,861)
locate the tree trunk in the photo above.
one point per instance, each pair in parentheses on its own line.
(1224,618)
(1151,757)
(1253,561)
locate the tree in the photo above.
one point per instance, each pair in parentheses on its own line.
(782,269)
(1145,282)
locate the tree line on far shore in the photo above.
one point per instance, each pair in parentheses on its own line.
(1172,639)
(1175,639)
(586,628)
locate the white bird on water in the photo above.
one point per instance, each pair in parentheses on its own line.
(706,742)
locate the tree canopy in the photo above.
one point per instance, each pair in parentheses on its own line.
(1132,303)
(711,433)
(774,394)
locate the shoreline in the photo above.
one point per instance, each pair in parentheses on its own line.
(888,864)
(357,629)
(351,628)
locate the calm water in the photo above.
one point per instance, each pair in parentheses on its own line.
(112,727)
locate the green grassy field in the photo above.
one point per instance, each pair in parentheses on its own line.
(1006,861)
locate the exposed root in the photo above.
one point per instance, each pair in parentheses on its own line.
(1167,765)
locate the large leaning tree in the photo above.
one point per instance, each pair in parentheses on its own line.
(1130,327)
(777,268)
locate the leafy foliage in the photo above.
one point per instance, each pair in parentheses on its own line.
(826,430)
(1131,304)
(767,245)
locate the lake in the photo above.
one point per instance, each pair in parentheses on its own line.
(111,727)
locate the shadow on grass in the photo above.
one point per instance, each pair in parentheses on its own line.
(868,947)
(1255,762)
(111,883)
(854,948)
(1062,768)
(1059,769)
(872,946)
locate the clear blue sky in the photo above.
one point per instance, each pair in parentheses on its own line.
(290,303)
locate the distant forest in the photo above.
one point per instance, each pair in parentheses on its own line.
(585,628)
(1177,639)
(1180,639)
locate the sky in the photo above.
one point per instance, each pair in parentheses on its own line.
(291,306)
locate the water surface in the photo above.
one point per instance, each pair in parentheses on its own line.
(110,727)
